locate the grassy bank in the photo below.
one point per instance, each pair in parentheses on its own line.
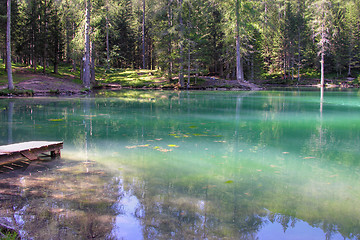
(136,78)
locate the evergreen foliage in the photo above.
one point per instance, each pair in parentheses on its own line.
(185,38)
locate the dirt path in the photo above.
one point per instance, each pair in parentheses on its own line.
(212,81)
(44,85)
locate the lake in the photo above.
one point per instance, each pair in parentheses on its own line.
(186,165)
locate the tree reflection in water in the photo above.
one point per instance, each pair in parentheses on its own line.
(49,200)
(198,166)
(65,199)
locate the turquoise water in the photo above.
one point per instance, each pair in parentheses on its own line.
(187,165)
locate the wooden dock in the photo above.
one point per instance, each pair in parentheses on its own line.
(29,150)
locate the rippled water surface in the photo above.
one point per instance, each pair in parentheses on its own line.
(186,165)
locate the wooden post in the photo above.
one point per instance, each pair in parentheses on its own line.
(56,153)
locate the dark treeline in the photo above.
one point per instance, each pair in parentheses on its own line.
(233,39)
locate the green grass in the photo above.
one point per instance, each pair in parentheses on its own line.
(16,92)
(124,77)
(16,77)
(131,77)
(308,76)
(8,235)
(64,71)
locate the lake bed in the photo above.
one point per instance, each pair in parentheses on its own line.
(187,165)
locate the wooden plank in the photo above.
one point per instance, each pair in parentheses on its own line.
(8,167)
(18,147)
(9,158)
(16,165)
(29,155)
(31,150)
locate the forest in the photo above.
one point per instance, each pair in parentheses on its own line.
(232,39)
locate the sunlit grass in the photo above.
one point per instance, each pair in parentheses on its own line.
(16,77)
(131,77)
(124,77)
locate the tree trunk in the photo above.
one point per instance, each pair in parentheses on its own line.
(56,58)
(68,52)
(74,66)
(239,67)
(45,39)
(56,69)
(299,56)
(92,79)
(107,43)
(189,65)
(284,65)
(8,46)
(170,43)
(143,37)
(181,60)
(86,80)
(322,81)
(349,69)
(252,67)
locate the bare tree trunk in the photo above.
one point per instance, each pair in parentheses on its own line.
(322,81)
(252,67)
(34,57)
(299,56)
(45,40)
(181,60)
(285,65)
(92,78)
(74,65)
(170,42)
(67,41)
(189,65)
(107,43)
(8,46)
(351,45)
(143,37)
(239,67)
(86,80)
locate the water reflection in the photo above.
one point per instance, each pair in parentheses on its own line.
(129,211)
(10,121)
(164,165)
(49,200)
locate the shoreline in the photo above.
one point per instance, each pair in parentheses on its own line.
(43,85)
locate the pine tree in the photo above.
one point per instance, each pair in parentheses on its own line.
(8,46)
(352,16)
(55,41)
(322,23)
(87,74)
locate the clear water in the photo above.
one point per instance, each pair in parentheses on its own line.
(187,165)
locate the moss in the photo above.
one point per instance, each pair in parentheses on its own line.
(16,92)
(8,234)
(55,92)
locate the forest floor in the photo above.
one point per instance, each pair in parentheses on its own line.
(39,84)
(44,85)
